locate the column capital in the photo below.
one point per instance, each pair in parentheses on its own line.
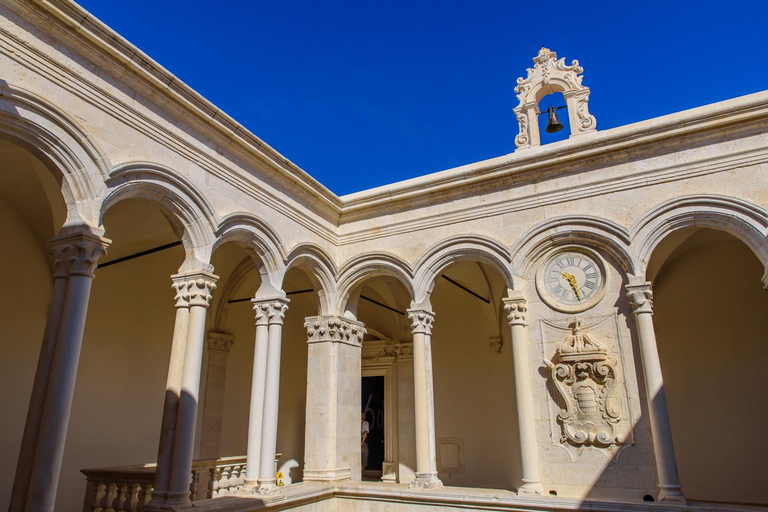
(334,329)
(220,342)
(77,254)
(270,311)
(421,321)
(194,288)
(517,310)
(640,298)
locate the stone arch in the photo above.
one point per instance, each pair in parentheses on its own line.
(455,249)
(744,220)
(258,238)
(320,269)
(189,213)
(359,268)
(588,231)
(67,150)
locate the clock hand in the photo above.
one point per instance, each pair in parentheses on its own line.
(572,280)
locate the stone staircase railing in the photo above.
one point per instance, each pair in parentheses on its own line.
(129,488)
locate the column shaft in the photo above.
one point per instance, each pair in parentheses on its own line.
(39,389)
(258,384)
(426,460)
(171,403)
(641,300)
(199,287)
(266,481)
(517,312)
(81,253)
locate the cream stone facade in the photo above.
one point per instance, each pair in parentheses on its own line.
(188,315)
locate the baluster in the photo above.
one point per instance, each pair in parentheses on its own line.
(211,483)
(216,483)
(240,477)
(117,504)
(224,482)
(143,496)
(107,503)
(131,497)
(95,505)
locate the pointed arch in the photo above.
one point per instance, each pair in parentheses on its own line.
(364,266)
(460,248)
(742,219)
(588,231)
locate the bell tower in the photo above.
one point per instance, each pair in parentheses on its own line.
(550,75)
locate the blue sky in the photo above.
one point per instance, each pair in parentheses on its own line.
(361,94)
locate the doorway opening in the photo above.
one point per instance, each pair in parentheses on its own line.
(372,405)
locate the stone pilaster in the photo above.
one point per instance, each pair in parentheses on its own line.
(332,433)
(423,390)
(641,301)
(517,315)
(219,346)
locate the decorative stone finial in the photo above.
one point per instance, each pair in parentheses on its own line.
(550,75)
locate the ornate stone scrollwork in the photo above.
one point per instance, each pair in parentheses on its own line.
(334,329)
(194,289)
(640,298)
(585,377)
(550,75)
(421,320)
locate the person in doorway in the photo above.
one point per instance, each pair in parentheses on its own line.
(364,429)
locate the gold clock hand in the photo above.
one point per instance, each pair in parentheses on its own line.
(572,280)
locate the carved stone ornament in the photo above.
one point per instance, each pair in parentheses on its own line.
(550,75)
(271,311)
(220,342)
(77,254)
(585,378)
(194,288)
(334,329)
(640,298)
(421,321)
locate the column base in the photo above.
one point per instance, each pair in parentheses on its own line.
(249,487)
(327,475)
(530,488)
(425,481)
(177,501)
(671,494)
(157,501)
(269,490)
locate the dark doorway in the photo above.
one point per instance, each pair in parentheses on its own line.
(373,407)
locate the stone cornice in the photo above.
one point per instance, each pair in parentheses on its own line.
(77,29)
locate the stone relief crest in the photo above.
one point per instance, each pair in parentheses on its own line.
(587,386)
(585,379)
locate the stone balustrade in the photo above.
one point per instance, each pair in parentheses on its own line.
(129,488)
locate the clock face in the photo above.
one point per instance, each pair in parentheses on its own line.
(571,280)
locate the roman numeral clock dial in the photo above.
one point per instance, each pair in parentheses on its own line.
(571,280)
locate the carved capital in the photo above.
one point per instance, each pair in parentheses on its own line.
(77,254)
(334,329)
(220,342)
(517,310)
(640,298)
(270,311)
(421,321)
(194,288)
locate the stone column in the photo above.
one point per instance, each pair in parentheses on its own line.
(517,313)
(80,251)
(40,386)
(275,315)
(258,382)
(198,286)
(172,391)
(332,433)
(423,384)
(219,345)
(641,300)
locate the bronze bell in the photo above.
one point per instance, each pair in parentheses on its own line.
(553,124)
